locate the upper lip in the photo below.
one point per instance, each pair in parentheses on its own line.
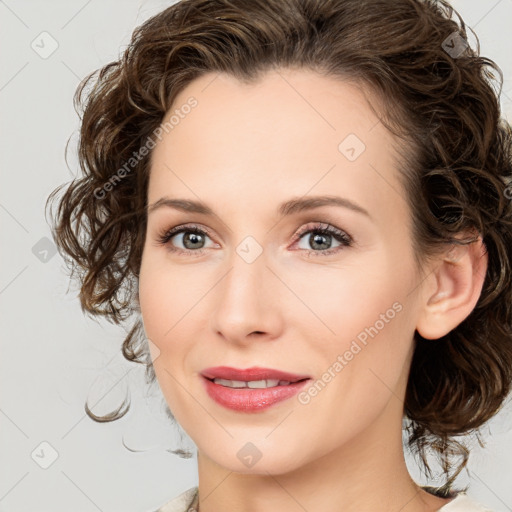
(254,373)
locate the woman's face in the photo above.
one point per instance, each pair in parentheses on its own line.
(263,287)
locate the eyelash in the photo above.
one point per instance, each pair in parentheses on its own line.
(345,240)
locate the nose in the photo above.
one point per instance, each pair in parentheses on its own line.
(247,302)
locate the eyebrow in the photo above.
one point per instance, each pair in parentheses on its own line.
(289,207)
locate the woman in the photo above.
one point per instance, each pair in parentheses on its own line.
(305,205)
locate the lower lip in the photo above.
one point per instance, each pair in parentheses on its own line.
(251,399)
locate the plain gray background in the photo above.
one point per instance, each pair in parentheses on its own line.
(52,356)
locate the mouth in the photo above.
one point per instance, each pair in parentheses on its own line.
(254,384)
(253,378)
(253,390)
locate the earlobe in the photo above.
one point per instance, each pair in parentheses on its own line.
(455,282)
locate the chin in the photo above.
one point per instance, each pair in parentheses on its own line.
(249,460)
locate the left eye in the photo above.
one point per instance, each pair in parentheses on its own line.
(321,235)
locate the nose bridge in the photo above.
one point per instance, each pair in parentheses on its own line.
(245,298)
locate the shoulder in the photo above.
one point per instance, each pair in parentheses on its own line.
(463,503)
(180,503)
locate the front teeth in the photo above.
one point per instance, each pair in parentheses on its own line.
(268,383)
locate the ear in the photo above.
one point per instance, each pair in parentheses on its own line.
(452,289)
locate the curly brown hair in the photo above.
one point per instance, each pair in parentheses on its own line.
(438,95)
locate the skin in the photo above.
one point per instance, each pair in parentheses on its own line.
(243,150)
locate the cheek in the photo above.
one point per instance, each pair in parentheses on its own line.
(164,296)
(338,302)
(362,368)
(149,297)
(362,333)
(172,302)
(161,309)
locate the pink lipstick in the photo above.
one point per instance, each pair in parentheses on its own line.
(253,389)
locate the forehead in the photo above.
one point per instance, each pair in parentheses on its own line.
(290,133)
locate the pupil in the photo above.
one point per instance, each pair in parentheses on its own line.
(193,238)
(317,239)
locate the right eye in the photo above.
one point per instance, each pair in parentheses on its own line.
(192,237)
